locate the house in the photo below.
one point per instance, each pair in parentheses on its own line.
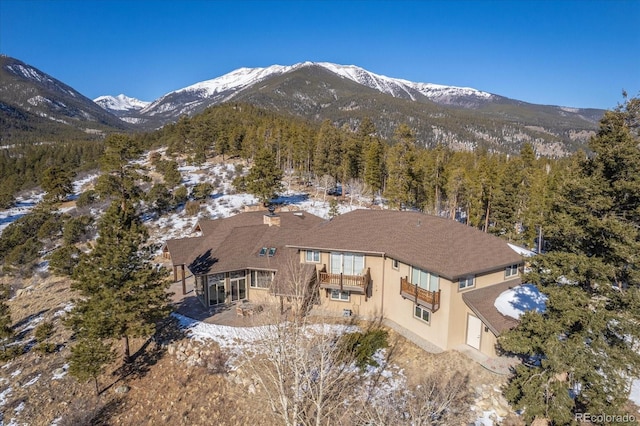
(433,276)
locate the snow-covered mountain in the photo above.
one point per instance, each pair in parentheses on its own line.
(120,103)
(124,107)
(191,99)
(401,88)
(346,93)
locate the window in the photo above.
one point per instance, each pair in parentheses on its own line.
(261,279)
(424,279)
(347,263)
(263,251)
(511,271)
(465,283)
(394,263)
(312,256)
(340,295)
(421,313)
(272,251)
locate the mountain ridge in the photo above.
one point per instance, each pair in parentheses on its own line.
(37,100)
(458,117)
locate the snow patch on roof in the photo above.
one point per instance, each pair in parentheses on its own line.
(521,250)
(518,300)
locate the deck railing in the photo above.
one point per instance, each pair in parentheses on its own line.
(420,296)
(328,279)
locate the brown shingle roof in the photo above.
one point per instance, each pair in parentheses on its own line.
(234,243)
(438,245)
(481,302)
(181,248)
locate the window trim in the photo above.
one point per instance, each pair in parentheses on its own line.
(511,271)
(466,281)
(429,277)
(422,310)
(342,255)
(340,293)
(311,255)
(254,274)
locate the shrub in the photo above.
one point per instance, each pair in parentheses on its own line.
(43,331)
(201,191)
(87,198)
(192,208)
(362,346)
(46,348)
(180,195)
(11,352)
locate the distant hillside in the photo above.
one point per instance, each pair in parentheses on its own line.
(36,107)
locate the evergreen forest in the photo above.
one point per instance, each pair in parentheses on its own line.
(582,212)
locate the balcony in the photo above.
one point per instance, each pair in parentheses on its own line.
(420,296)
(342,282)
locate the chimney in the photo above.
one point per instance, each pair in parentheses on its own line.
(271,219)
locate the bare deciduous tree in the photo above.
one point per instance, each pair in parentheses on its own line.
(298,364)
(436,400)
(357,189)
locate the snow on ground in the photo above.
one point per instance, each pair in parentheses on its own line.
(3,396)
(23,206)
(240,340)
(60,372)
(487,418)
(32,381)
(634,396)
(61,312)
(516,301)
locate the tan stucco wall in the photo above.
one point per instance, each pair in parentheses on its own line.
(369,308)
(459,310)
(401,310)
(260,295)
(448,326)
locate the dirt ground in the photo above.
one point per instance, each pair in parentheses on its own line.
(161,389)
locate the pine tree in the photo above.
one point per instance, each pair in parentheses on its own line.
(89,357)
(328,154)
(121,174)
(401,169)
(374,167)
(265,177)
(57,183)
(586,340)
(124,294)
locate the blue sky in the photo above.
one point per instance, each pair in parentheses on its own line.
(579,53)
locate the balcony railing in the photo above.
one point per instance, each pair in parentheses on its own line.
(342,282)
(420,296)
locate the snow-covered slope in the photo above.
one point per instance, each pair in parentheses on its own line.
(120,103)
